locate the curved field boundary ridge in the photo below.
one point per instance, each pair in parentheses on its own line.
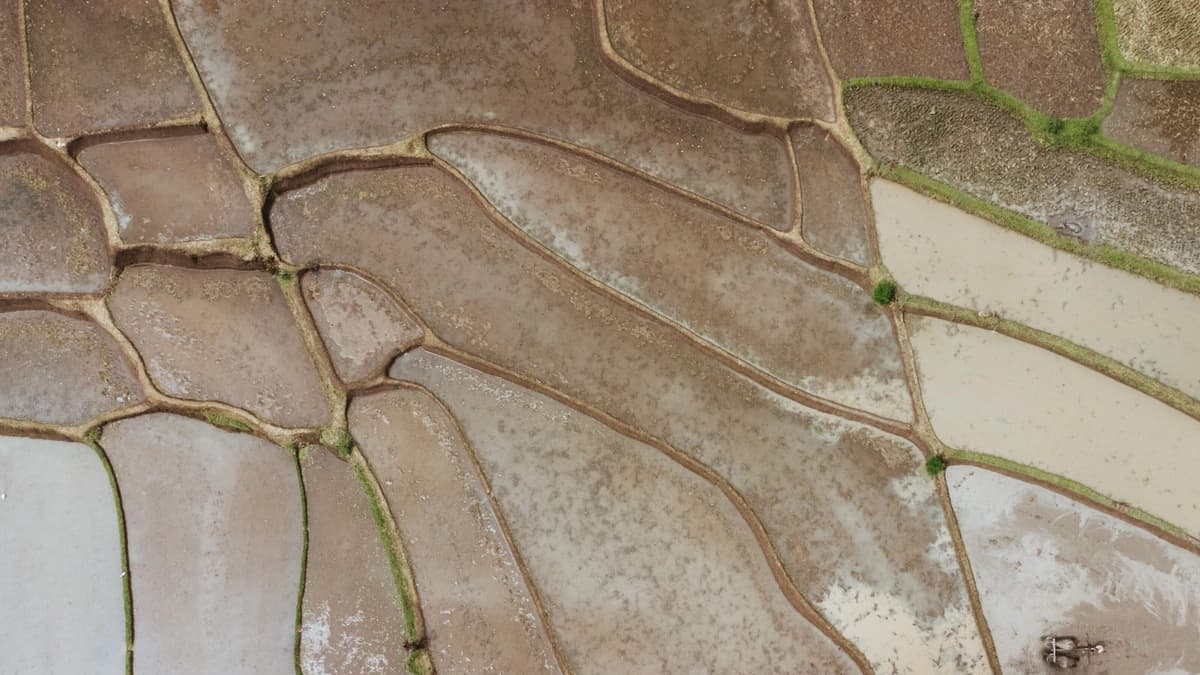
(257,252)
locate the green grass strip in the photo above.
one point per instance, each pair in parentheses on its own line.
(1103,253)
(337,438)
(222,420)
(419,663)
(93,441)
(1072,486)
(1105,365)
(399,574)
(303,557)
(970,38)
(1106,33)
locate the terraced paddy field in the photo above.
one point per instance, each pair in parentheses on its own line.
(599,336)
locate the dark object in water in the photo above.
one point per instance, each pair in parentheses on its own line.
(1065,651)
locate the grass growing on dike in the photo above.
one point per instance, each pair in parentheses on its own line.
(399,576)
(935,465)
(92,439)
(884,292)
(1072,486)
(222,420)
(339,439)
(1082,134)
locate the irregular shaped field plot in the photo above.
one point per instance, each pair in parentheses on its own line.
(518,310)
(968,143)
(1045,53)
(60,369)
(353,620)
(214,521)
(53,228)
(171,189)
(992,394)
(507,62)
(12,76)
(695,267)
(104,65)
(759,57)
(1048,565)
(220,335)
(892,37)
(939,251)
(60,549)
(1159,32)
(478,609)
(363,328)
(1158,116)
(833,215)
(644,534)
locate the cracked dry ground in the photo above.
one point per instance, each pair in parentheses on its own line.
(524,336)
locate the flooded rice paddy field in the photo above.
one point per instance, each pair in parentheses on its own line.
(372,337)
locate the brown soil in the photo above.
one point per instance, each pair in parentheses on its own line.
(1045,53)
(893,37)
(970,144)
(12,66)
(353,620)
(104,65)
(808,326)
(834,216)
(361,325)
(220,335)
(285,96)
(214,522)
(171,189)
(408,226)
(1159,32)
(759,57)
(478,610)
(660,564)
(1158,116)
(54,238)
(59,369)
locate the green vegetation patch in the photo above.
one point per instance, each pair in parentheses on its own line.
(227,422)
(970,38)
(884,292)
(339,439)
(935,465)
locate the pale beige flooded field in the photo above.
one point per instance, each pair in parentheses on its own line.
(936,250)
(993,394)
(1048,565)
(61,599)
